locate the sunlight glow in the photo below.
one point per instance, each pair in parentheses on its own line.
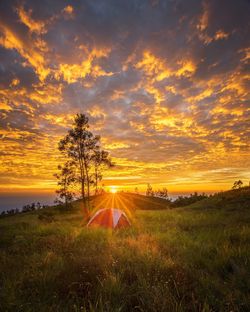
(113,189)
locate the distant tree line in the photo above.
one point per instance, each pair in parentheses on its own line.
(163,193)
(179,201)
(25,208)
(85,162)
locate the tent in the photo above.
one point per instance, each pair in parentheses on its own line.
(109,218)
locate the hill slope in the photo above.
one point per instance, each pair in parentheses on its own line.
(185,259)
(233,199)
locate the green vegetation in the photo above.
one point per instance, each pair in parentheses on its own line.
(195,258)
(85,162)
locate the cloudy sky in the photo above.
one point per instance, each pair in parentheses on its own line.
(165,83)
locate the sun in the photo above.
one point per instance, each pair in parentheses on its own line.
(113,189)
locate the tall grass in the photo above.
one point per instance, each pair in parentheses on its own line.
(186,259)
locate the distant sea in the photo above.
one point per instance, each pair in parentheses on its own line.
(18,200)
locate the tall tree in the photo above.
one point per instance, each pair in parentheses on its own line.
(82,148)
(78,145)
(100,160)
(65,179)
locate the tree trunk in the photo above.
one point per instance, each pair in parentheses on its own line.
(87,175)
(83,188)
(82,174)
(96,177)
(87,180)
(88,184)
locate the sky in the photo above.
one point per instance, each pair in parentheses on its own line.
(165,84)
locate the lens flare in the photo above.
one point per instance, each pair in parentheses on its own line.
(113,189)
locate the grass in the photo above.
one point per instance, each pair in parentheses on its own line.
(194,258)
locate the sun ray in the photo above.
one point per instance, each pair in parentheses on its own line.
(123,206)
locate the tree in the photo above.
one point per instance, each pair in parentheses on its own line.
(149,191)
(181,201)
(65,179)
(162,193)
(83,152)
(100,159)
(78,146)
(237,185)
(26,208)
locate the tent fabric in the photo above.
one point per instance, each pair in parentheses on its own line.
(116,216)
(109,218)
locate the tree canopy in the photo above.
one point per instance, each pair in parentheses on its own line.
(85,160)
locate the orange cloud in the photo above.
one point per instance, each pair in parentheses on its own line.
(187,68)
(33,25)
(68,9)
(72,72)
(11,40)
(153,66)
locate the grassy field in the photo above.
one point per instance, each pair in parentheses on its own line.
(195,258)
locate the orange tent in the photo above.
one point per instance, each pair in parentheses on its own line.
(109,218)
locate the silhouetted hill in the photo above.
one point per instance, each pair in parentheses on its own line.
(233,200)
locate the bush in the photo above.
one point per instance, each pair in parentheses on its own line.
(46,217)
(188,200)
